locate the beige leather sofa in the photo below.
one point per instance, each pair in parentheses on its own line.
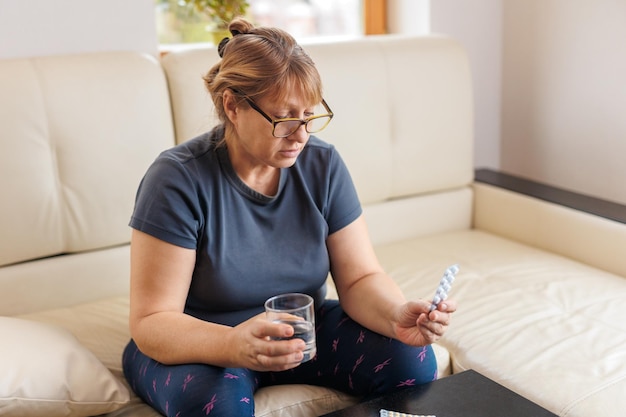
(541,290)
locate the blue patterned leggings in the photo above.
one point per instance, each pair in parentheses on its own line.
(349,358)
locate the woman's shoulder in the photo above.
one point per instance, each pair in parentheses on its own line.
(317,143)
(318,149)
(201,146)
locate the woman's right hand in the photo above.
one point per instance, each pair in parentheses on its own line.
(254,345)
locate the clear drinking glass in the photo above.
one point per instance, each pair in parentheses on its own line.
(296,310)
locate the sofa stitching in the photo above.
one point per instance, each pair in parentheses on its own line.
(568,408)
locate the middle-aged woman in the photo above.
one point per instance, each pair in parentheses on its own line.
(254,208)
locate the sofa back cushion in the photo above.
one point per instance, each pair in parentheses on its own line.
(404,113)
(76,135)
(403,124)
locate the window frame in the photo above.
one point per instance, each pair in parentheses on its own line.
(375,17)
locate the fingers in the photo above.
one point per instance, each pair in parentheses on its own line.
(280,355)
(283,351)
(449,306)
(273,330)
(430,331)
(273,349)
(443,311)
(442,318)
(434,324)
(437,328)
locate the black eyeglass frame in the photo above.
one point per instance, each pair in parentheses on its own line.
(304,122)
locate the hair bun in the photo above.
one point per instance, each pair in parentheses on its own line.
(240,26)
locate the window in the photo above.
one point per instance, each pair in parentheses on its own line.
(177,23)
(303,18)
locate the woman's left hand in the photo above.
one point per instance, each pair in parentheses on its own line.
(415,325)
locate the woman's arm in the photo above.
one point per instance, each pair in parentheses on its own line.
(160,280)
(372,298)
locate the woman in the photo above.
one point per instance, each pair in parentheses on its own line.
(251,209)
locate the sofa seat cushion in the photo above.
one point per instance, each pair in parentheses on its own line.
(527,318)
(46,371)
(102,328)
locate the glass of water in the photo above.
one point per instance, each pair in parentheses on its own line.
(296,310)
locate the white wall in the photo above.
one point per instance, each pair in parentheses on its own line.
(564,94)
(53,27)
(476,24)
(408,16)
(549,83)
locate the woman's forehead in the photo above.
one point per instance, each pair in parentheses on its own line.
(290,101)
(295,91)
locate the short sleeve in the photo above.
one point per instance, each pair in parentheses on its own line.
(343,203)
(167,204)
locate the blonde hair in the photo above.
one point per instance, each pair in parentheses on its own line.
(258,62)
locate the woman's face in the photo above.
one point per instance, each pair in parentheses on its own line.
(253,133)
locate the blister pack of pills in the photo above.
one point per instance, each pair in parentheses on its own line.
(387,413)
(444,285)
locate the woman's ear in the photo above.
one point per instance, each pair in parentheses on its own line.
(230,102)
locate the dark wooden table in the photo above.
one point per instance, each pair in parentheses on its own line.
(466,394)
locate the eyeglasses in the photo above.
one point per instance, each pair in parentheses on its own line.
(281,128)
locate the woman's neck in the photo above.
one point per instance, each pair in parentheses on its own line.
(261,178)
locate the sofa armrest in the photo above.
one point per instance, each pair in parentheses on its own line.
(586,229)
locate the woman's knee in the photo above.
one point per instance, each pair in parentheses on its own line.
(191,389)
(197,394)
(404,367)
(366,363)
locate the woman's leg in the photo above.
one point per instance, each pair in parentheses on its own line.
(358,361)
(190,390)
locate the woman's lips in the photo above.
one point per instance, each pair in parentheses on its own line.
(290,153)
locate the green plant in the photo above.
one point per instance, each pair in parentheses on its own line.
(219,12)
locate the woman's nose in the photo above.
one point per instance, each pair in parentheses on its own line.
(300,135)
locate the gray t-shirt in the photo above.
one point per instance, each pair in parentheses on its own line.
(249,246)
